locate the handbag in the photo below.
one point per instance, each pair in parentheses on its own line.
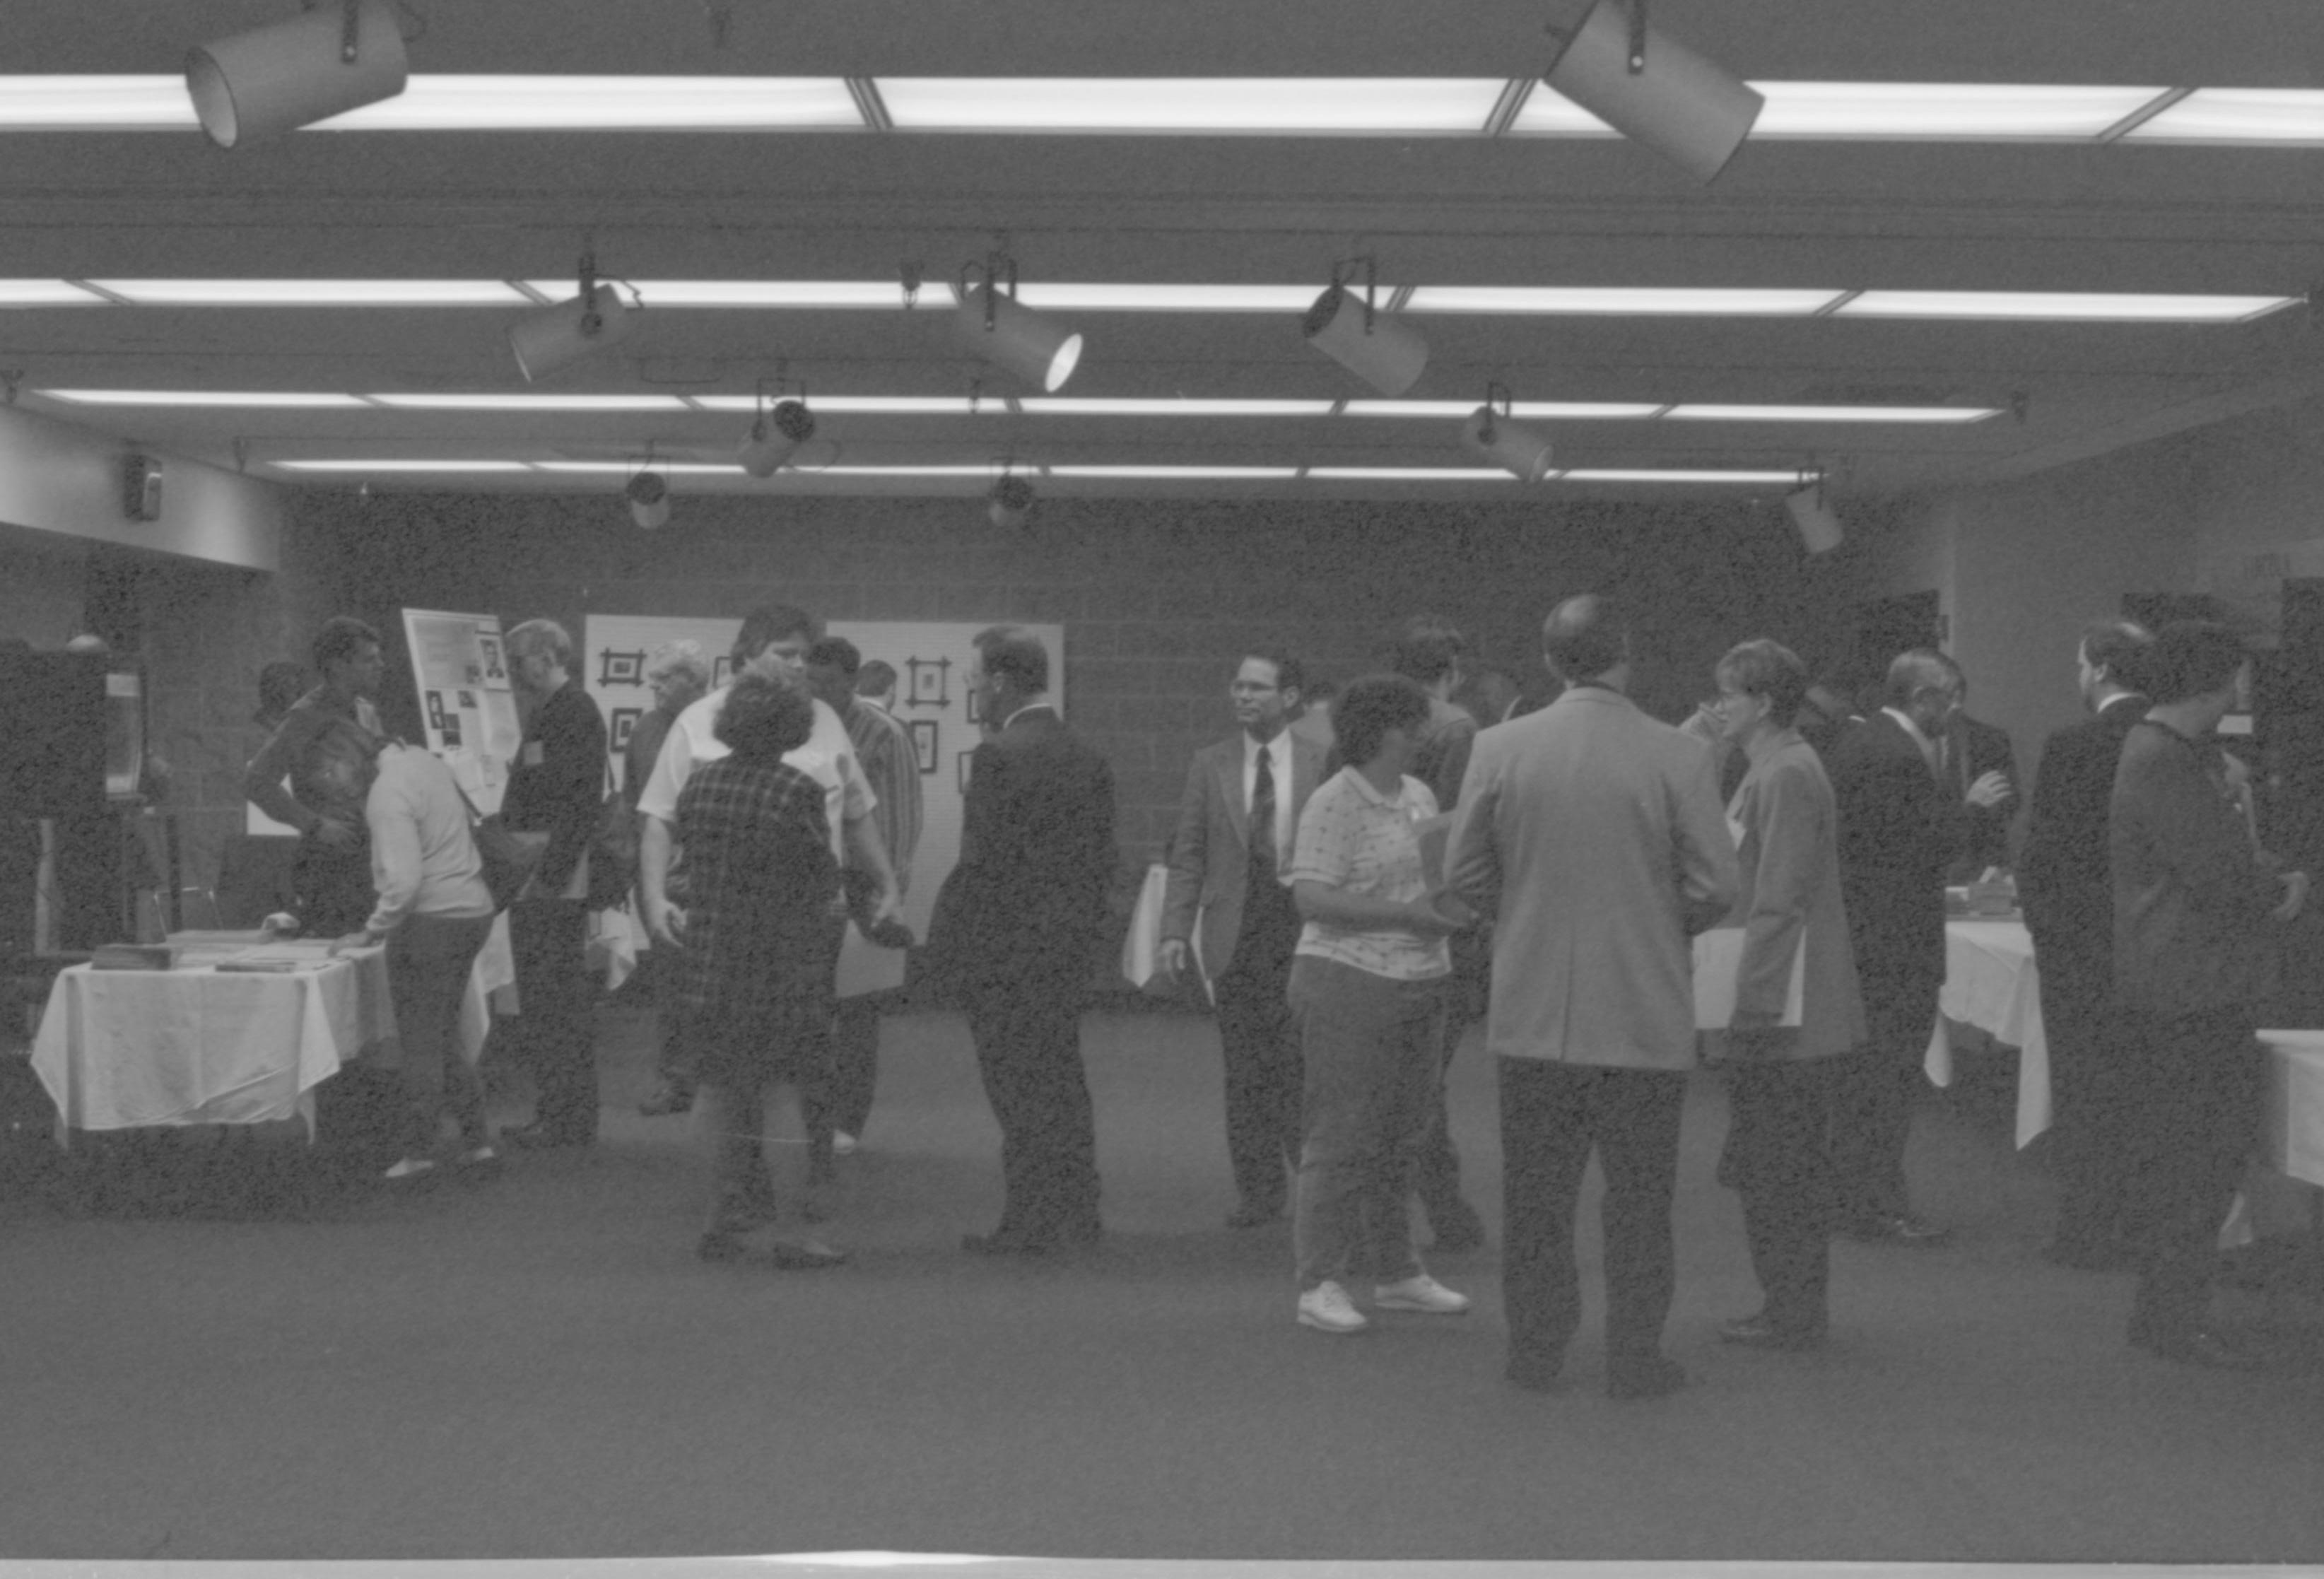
(509,857)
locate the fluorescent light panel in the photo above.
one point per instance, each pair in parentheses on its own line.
(758,293)
(1214,105)
(400,465)
(1975,112)
(95,103)
(531,402)
(2282,116)
(1500,300)
(676,468)
(2063,306)
(1712,413)
(1046,406)
(1566,410)
(1054,296)
(193,397)
(1390,474)
(1587,474)
(538,103)
(893,405)
(913,471)
(1245,472)
(47,293)
(315,292)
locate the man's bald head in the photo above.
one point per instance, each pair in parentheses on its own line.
(1585,637)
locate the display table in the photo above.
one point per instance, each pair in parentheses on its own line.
(133,1049)
(1991,983)
(2293,1140)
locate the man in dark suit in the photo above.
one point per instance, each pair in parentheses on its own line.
(1235,831)
(1899,824)
(1013,929)
(2063,883)
(1980,769)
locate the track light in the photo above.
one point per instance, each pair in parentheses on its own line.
(1691,112)
(551,338)
(1012,501)
(1377,347)
(1514,447)
(324,61)
(648,494)
(776,433)
(1032,344)
(1818,525)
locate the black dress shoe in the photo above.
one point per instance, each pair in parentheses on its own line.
(2204,1348)
(540,1137)
(1249,1216)
(1532,1373)
(1644,1379)
(1759,1332)
(806,1255)
(1902,1228)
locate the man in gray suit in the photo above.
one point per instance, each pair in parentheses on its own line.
(1235,828)
(1593,835)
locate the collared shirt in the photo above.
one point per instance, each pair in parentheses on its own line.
(424,862)
(828,758)
(884,747)
(1928,747)
(1028,707)
(1353,838)
(1278,764)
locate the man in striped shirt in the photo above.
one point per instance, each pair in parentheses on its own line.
(883,750)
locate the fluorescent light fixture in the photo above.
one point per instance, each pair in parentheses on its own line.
(1603,475)
(324,61)
(1977,112)
(487,102)
(626,468)
(1393,107)
(1244,473)
(532,402)
(760,293)
(1392,473)
(1628,301)
(400,465)
(2060,305)
(1089,298)
(2279,117)
(1954,414)
(903,471)
(893,405)
(46,293)
(95,103)
(192,399)
(1556,411)
(1654,90)
(316,292)
(1073,406)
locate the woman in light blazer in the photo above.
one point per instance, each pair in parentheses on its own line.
(1793,920)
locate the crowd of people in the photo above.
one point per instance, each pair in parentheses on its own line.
(1355,877)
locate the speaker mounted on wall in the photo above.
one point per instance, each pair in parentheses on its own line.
(140,486)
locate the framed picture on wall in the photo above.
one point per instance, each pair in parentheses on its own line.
(625,723)
(924,743)
(975,707)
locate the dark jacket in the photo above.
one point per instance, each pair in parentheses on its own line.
(1898,827)
(2191,895)
(1027,905)
(1974,748)
(2062,873)
(558,782)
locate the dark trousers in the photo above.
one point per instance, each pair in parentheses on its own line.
(854,1061)
(1258,1041)
(2087,1142)
(659,967)
(1436,1168)
(814,1057)
(1776,1160)
(331,890)
(1552,1116)
(1029,1050)
(1877,1086)
(429,958)
(555,1036)
(2195,1088)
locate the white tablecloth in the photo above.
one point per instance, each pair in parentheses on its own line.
(1991,983)
(124,1049)
(2294,1139)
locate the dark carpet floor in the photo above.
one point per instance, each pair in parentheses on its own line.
(538,1367)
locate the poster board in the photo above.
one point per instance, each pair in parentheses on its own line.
(467,710)
(931,660)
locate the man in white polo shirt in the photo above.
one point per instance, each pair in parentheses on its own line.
(774,640)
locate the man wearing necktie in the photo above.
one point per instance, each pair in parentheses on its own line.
(1239,815)
(1980,770)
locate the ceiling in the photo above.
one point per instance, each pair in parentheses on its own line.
(1434,211)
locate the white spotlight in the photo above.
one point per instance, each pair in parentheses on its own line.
(549,337)
(1691,112)
(1030,344)
(1012,501)
(1377,347)
(1514,447)
(774,436)
(649,495)
(1819,524)
(324,61)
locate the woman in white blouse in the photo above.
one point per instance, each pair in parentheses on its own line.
(1367,984)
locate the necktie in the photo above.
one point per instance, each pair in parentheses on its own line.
(1262,815)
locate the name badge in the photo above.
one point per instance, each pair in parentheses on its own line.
(530,756)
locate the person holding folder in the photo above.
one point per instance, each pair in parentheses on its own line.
(1796,1004)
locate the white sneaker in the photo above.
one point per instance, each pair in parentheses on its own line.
(1423,1293)
(411,1168)
(1327,1308)
(842,1144)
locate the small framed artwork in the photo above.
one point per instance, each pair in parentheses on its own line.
(925,681)
(494,672)
(975,706)
(625,723)
(621,669)
(467,701)
(924,743)
(436,710)
(965,764)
